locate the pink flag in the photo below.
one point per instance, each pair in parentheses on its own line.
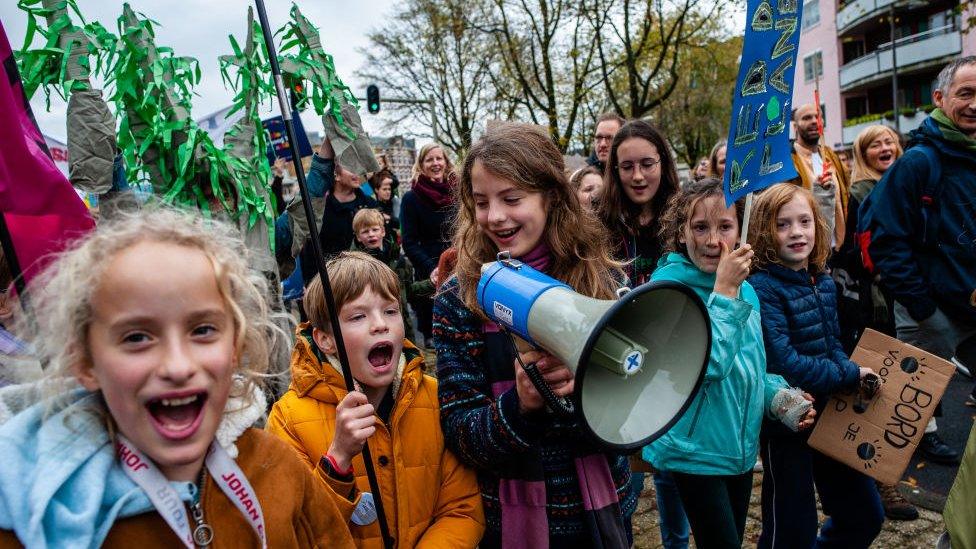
(41,209)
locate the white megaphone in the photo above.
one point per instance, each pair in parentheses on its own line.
(638,360)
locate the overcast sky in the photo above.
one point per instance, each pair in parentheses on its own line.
(199,28)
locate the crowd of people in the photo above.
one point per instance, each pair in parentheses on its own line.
(156,422)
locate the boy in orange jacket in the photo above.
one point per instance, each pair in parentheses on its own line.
(429,498)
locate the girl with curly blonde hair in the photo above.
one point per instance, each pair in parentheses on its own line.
(156,336)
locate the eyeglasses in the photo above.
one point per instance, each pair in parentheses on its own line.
(601,138)
(646,165)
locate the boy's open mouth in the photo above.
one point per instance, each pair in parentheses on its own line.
(381,355)
(177,416)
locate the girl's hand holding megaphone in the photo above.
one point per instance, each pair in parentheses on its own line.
(557,375)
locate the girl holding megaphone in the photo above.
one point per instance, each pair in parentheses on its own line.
(543,482)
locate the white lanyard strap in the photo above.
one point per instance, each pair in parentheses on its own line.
(163,497)
(235,486)
(224,471)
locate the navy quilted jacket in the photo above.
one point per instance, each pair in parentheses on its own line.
(800,331)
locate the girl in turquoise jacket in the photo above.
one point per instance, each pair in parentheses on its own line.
(711,450)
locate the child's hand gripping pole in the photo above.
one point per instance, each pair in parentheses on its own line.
(286,115)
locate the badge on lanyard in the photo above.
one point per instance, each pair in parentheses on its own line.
(365,512)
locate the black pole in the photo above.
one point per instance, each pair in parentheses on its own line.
(13,264)
(320,257)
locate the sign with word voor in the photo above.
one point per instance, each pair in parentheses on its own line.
(758,153)
(878,437)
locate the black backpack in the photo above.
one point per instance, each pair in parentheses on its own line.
(929,199)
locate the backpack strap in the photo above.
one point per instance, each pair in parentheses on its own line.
(930,190)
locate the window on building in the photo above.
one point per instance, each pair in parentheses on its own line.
(812,66)
(811,13)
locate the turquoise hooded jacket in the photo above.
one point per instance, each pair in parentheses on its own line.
(719,433)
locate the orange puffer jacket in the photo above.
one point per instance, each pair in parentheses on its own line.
(430,499)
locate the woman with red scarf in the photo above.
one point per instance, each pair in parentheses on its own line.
(426,212)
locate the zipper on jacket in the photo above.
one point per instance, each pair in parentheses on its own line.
(823,319)
(698,409)
(202,532)
(742,427)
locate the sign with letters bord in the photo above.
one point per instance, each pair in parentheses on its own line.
(879,439)
(758,153)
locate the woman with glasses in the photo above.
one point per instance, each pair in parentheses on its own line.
(639,179)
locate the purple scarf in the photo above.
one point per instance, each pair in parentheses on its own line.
(439,194)
(523,500)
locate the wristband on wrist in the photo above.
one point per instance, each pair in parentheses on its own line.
(336,468)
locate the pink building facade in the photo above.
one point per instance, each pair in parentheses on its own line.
(849,42)
(818,59)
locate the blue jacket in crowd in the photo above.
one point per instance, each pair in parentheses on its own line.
(719,434)
(926,254)
(799,324)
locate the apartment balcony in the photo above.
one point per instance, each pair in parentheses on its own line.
(907,123)
(916,51)
(858,11)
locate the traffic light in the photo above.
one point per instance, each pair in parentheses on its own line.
(297,93)
(373,99)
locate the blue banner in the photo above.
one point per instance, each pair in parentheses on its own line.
(278,146)
(758,153)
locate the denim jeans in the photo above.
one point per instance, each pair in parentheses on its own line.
(671,512)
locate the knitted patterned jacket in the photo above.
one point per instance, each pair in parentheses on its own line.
(491,435)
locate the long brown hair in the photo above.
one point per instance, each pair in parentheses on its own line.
(616,211)
(680,208)
(762,227)
(521,154)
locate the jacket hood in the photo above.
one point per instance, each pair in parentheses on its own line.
(679,266)
(310,377)
(61,484)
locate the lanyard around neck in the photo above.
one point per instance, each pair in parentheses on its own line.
(224,471)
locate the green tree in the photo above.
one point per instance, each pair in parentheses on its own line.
(429,49)
(641,45)
(697,113)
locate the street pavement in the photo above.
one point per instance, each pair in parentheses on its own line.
(926,483)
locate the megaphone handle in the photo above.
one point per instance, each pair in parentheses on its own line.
(559,405)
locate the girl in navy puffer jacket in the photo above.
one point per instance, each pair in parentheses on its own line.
(799,319)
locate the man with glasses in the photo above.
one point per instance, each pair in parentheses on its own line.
(607,125)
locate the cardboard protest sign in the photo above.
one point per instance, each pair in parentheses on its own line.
(878,437)
(758,153)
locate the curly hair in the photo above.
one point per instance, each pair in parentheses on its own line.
(680,207)
(762,227)
(578,241)
(62,295)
